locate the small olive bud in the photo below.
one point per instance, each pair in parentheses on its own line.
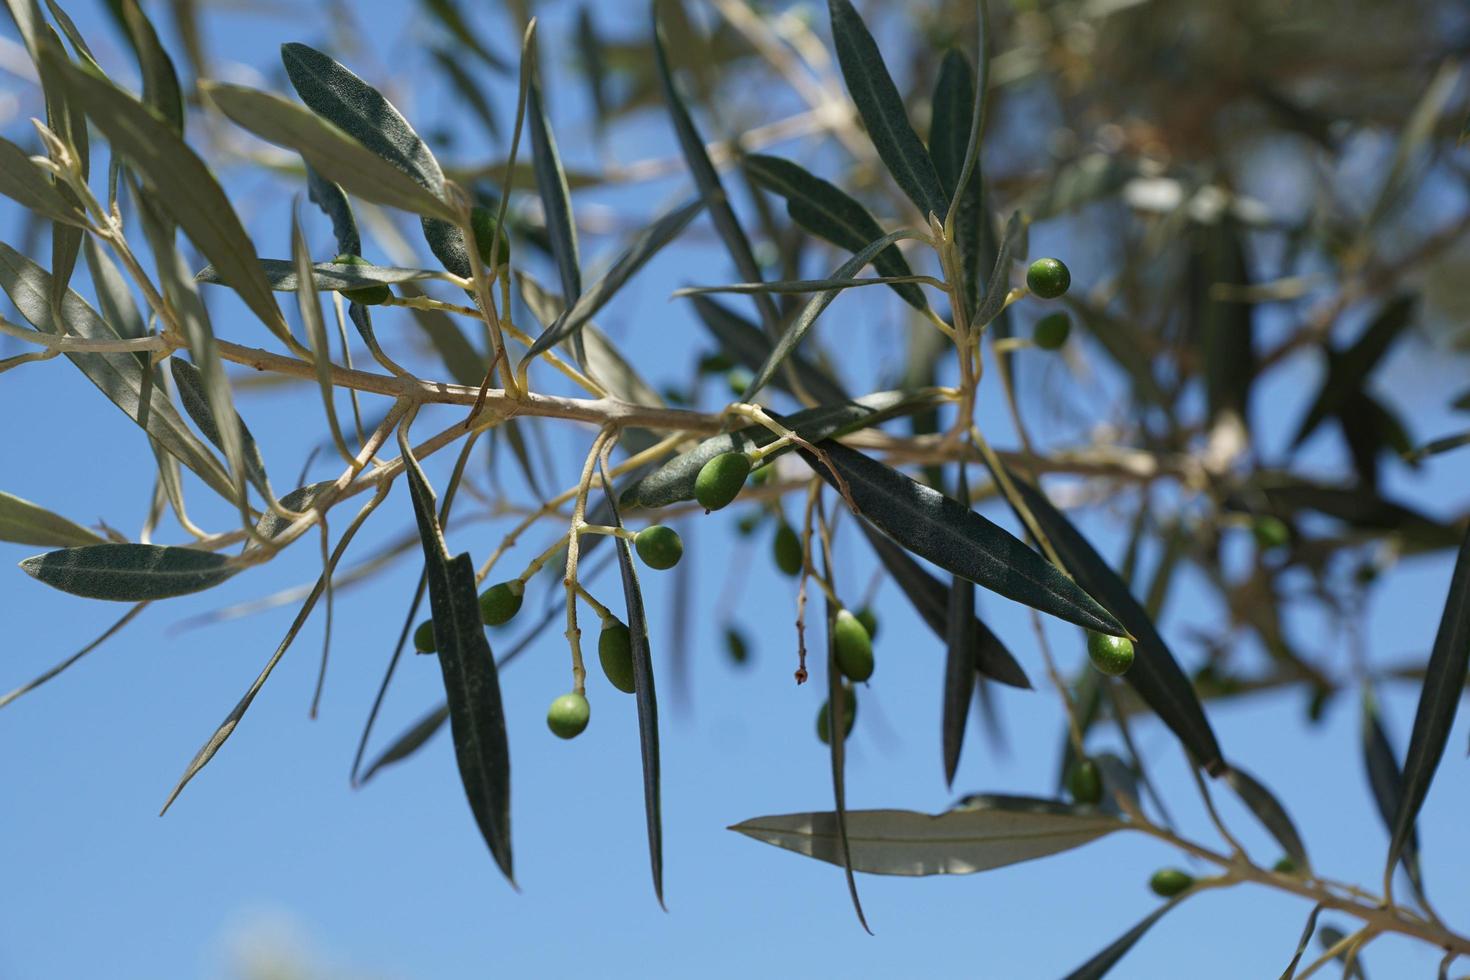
(721,479)
(1168,882)
(366,295)
(786,547)
(1051,331)
(824,716)
(1084,782)
(1048,278)
(1270,532)
(568,715)
(423,637)
(853,647)
(1112,655)
(615,651)
(659,546)
(482,219)
(500,602)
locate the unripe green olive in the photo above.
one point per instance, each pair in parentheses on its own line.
(1112,655)
(615,651)
(720,480)
(1048,278)
(869,619)
(747,524)
(568,715)
(736,646)
(659,546)
(1270,532)
(366,295)
(482,219)
(853,647)
(1051,331)
(1168,882)
(423,637)
(716,363)
(738,379)
(762,475)
(1084,782)
(786,547)
(1284,866)
(500,602)
(824,716)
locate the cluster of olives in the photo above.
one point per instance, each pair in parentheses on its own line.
(1050,278)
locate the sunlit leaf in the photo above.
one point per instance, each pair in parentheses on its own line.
(129,572)
(28,185)
(26,523)
(556,200)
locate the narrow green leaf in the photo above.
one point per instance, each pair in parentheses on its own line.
(1155,674)
(1387,782)
(299,500)
(813,309)
(329,276)
(107,634)
(1301,947)
(799,286)
(1330,936)
(643,247)
(410,741)
(114,297)
(26,523)
(465,364)
(1224,329)
(954,537)
(1273,816)
(643,692)
(1439,698)
(711,191)
(328,149)
(447,13)
(195,399)
(982,833)
(129,572)
(949,142)
(186,189)
(160,82)
(825,210)
(998,286)
(471,682)
(1108,958)
(28,185)
(1360,508)
(883,112)
(673,481)
(556,198)
(593,65)
(1346,372)
(119,376)
(837,723)
(930,599)
(959,660)
(469,90)
(316,335)
(747,344)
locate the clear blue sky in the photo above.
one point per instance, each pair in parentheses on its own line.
(270,851)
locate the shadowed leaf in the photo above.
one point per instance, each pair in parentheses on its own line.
(23,522)
(1108,958)
(1273,816)
(129,572)
(744,342)
(960,642)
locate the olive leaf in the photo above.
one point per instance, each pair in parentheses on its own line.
(23,522)
(643,692)
(954,537)
(982,833)
(1301,947)
(551,185)
(673,481)
(837,722)
(471,682)
(469,90)
(195,399)
(1109,956)
(28,185)
(998,286)
(160,82)
(1439,698)
(882,110)
(413,739)
(949,141)
(448,14)
(1346,371)
(329,276)
(328,195)
(930,598)
(1387,783)
(745,343)
(129,572)
(1223,327)
(959,659)
(188,191)
(1273,816)
(825,210)
(1155,674)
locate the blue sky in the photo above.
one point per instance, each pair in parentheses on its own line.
(269,852)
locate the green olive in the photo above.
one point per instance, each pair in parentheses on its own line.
(1284,866)
(366,295)
(736,646)
(1112,655)
(738,379)
(659,546)
(786,547)
(568,715)
(869,619)
(853,647)
(720,480)
(1051,331)
(1084,782)
(500,602)
(824,716)
(483,221)
(1048,278)
(615,651)
(423,637)
(1270,532)
(1168,882)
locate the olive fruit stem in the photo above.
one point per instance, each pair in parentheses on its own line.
(759,416)
(488,313)
(579,509)
(603,613)
(1004,345)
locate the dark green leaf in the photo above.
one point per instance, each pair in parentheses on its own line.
(1155,674)
(299,500)
(643,692)
(594,70)
(1104,961)
(468,89)
(825,210)
(955,538)
(1387,783)
(556,198)
(1444,683)
(930,598)
(748,345)
(643,247)
(26,523)
(982,833)
(1301,946)
(471,683)
(959,660)
(106,634)
(28,185)
(797,286)
(1360,508)
(949,140)
(1271,813)
(193,396)
(883,112)
(998,286)
(410,741)
(814,308)
(1223,327)
(332,276)
(129,572)
(329,196)
(674,480)
(160,81)
(448,14)
(1346,372)
(186,189)
(1329,937)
